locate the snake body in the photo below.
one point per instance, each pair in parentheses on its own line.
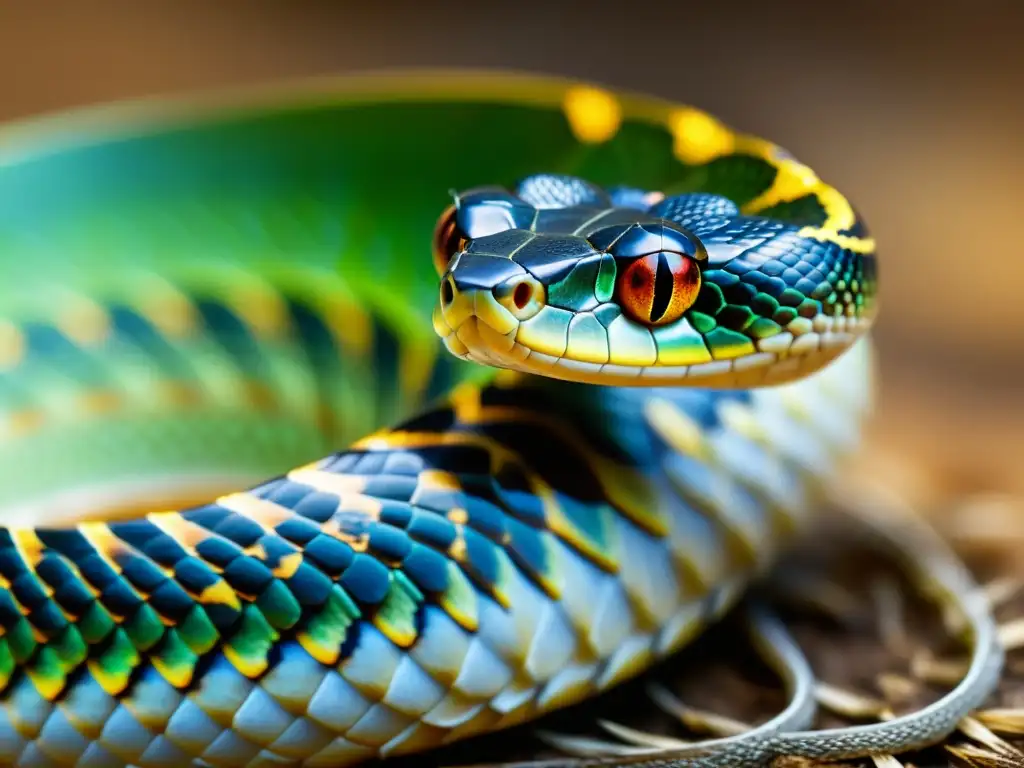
(196,303)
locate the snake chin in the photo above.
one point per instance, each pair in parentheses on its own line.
(474,331)
(476,340)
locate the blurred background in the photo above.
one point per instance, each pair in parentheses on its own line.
(915,110)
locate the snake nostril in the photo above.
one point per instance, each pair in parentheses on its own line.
(521,295)
(447,292)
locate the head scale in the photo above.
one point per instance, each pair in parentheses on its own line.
(563,279)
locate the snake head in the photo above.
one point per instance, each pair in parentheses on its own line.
(563,279)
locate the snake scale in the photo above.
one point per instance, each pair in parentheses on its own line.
(656,360)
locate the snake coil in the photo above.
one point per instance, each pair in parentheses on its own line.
(658,358)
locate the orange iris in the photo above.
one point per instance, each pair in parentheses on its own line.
(658,288)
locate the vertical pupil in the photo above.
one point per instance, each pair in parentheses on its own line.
(664,283)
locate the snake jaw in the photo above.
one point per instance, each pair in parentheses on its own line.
(476,325)
(473,336)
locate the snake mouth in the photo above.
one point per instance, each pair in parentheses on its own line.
(476,327)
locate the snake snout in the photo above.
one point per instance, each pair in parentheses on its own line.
(496,290)
(522,296)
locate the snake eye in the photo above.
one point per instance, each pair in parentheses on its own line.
(449,239)
(658,288)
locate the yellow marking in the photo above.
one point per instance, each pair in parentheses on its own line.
(629,493)
(698,137)
(288,565)
(350,325)
(563,528)
(251,668)
(402,637)
(465,401)
(339,485)
(326,656)
(220,593)
(691,578)
(855,244)
(25,421)
(100,401)
(742,420)
(623,487)
(594,114)
(359,543)
(84,322)
(468,620)
(262,310)
(793,179)
(112,683)
(179,393)
(521,714)
(170,312)
(616,489)
(266,513)
(352,500)
(49,687)
(505,565)
(839,212)
(259,395)
(186,533)
(438,480)
(458,515)
(28,545)
(105,543)
(678,430)
(457,549)
(415,362)
(311,466)
(12,345)
(257,551)
(179,678)
(506,378)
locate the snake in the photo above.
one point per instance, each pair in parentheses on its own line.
(544,376)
